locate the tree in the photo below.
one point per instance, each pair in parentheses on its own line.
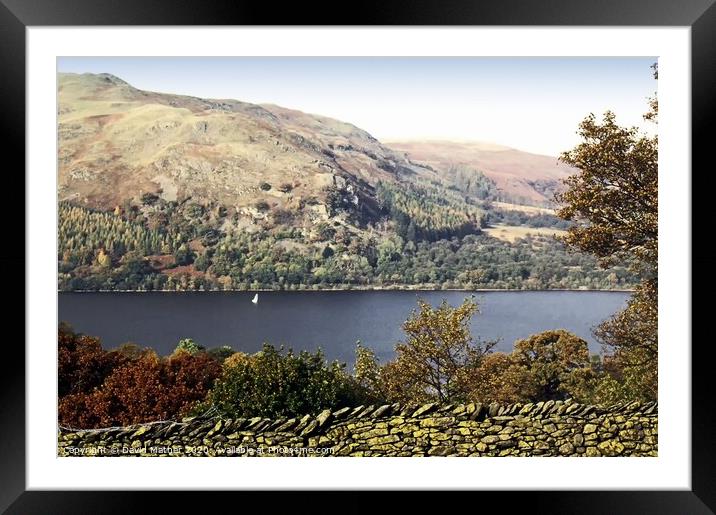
(203,262)
(235,359)
(98,388)
(142,390)
(439,354)
(632,337)
(366,369)
(187,345)
(614,200)
(221,354)
(551,358)
(395,386)
(501,378)
(82,365)
(369,376)
(103,259)
(327,252)
(184,256)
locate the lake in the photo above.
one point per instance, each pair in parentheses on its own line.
(333,320)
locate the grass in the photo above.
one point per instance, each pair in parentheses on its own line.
(513,232)
(532,210)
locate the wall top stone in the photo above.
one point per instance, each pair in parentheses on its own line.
(470,411)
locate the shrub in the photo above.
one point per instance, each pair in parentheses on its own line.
(283,216)
(149,199)
(274,383)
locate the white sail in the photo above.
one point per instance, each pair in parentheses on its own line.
(255,300)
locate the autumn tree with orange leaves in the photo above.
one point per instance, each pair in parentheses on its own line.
(107,388)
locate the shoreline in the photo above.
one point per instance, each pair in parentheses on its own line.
(430,290)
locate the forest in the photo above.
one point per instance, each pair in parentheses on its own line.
(430,242)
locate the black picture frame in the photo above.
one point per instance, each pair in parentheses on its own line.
(17,15)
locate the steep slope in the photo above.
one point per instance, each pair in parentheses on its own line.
(117,143)
(522,177)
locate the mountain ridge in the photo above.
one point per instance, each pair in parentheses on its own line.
(145,141)
(118,142)
(528,178)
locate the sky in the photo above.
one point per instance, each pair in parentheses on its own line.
(529,103)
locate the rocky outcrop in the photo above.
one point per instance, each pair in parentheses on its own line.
(552,428)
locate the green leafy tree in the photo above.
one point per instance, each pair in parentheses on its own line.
(632,339)
(274,383)
(203,262)
(188,345)
(184,256)
(221,354)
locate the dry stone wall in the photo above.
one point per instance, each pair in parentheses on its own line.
(552,428)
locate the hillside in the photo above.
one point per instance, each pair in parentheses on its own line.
(520,177)
(162,191)
(117,143)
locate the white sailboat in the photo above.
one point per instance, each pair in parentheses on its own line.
(255,300)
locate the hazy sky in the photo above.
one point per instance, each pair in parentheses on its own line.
(530,103)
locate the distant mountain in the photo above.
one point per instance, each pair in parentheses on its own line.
(521,177)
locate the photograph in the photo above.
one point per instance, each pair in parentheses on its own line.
(346,256)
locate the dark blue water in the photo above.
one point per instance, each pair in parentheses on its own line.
(332,320)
